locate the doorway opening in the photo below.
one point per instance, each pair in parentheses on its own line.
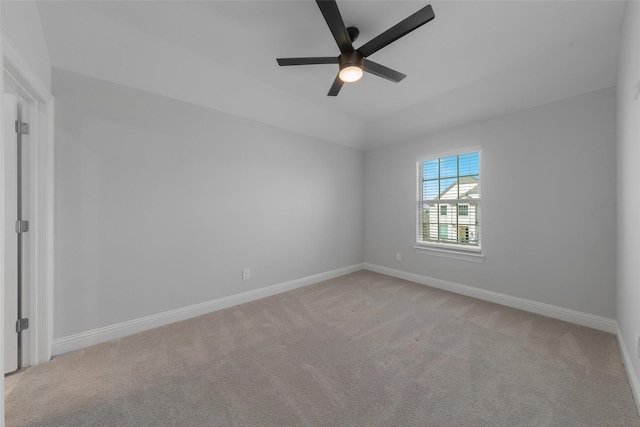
(34,104)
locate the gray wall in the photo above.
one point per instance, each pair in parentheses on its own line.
(628,109)
(160,204)
(548,204)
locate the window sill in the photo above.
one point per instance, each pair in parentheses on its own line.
(473,255)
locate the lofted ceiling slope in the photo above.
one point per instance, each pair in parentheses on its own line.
(475,60)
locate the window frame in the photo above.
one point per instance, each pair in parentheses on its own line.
(448,250)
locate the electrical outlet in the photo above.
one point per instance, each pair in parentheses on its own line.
(246,273)
(398,256)
(636,90)
(637,345)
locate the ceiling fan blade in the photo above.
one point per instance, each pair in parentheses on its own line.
(402,28)
(335,87)
(331,14)
(382,71)
(307,61)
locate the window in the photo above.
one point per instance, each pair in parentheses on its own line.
(449,185)
(444,231)
(463,234)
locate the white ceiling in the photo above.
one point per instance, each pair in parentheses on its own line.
(476,59)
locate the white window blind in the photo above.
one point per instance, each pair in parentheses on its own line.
(448,207)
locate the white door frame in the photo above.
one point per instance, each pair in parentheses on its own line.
(17,73)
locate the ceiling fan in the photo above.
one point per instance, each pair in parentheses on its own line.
(353,62)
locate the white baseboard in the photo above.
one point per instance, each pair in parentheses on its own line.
(119,330)
(572,316)
(631,372)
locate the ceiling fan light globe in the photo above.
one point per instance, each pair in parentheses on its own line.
(351,74)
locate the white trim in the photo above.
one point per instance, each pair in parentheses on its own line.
(48,261)
(14,61)
(561,313)
(34,91)
(119,330)
(2,213)
(631,373)
(471,254)
(448,153)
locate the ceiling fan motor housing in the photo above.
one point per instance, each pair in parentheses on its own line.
(351,59)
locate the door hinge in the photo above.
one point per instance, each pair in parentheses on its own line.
(22,226)
(21,325)
(22,128)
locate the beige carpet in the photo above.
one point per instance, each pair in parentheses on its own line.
(361,350)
